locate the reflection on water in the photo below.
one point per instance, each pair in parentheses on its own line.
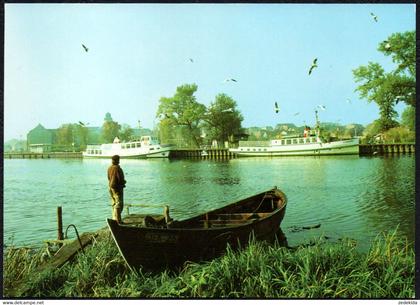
(349,196)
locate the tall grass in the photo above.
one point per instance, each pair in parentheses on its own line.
(325,270)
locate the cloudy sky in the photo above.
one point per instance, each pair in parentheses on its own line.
(138,53)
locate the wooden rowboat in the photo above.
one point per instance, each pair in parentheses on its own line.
(202,237)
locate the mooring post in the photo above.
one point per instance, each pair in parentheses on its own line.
(60,223)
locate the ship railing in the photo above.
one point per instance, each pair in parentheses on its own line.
(254,143)
(93,146)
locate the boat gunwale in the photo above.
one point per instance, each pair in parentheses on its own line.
(283,197)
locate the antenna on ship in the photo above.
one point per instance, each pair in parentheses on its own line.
(317,126)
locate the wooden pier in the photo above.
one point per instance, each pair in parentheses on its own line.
(221,153)
(45,155)
(202,154)
(383,149)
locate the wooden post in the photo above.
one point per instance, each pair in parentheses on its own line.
(60,223)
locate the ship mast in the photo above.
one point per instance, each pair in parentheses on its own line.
(317,126)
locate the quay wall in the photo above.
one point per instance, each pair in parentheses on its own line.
(383,149)
(364,150)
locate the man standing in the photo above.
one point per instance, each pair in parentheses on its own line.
(116,186)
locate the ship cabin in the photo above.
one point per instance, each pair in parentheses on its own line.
(295,140)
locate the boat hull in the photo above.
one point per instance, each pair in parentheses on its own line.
(144,247)
(348,147)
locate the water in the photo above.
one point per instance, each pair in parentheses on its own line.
(350,196)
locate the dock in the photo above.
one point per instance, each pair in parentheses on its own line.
(220,153)
(44,155)
(212,153)
(385,149)
(64,254)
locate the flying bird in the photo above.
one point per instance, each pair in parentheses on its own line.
(374,17)
(276,107)
(387,44)
(296,113)
(191,60)
(313,66)
(398,98)
(231,80)
(81,123)
(228,110)
(84,47)
(322,107)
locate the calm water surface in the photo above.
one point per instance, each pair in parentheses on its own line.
(350,196)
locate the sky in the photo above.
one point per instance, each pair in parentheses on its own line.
(138,53)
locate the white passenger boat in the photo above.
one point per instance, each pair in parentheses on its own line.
(146,147)
(309,144)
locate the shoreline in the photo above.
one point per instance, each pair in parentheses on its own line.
(322,270)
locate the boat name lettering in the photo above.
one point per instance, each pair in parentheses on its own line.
(161,237)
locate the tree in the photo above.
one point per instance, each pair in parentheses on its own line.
(183,110)
(65,135)
(81,133)
(408,118)
(126,132)
(388,89)
(222,120)
(110,130)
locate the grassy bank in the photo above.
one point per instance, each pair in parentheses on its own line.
(325,270)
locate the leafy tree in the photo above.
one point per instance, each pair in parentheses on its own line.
(372,130)
(126,132)
(65,135)
(388,89)
(222,120)
(408,118)
(165,131)
(110,130)
(399,134)
(81,135)
(183,110)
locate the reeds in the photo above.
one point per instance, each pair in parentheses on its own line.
(324,270)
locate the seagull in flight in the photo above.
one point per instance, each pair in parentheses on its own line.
(387,44)
(374,17)
(398,98)
(313,66)
(276,107)
(84,47)
(231,80)
(81,123)
(322,107)
(227,110)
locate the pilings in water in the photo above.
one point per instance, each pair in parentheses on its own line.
(391,148)
(60,235)
(221,153)
(45,155)
(202,154)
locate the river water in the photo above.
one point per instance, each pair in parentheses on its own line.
(350,196)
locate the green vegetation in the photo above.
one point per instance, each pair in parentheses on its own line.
(399,85)
(182,116)
(325,270)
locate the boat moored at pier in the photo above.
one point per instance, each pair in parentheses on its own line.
(311,143)
(146,147)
